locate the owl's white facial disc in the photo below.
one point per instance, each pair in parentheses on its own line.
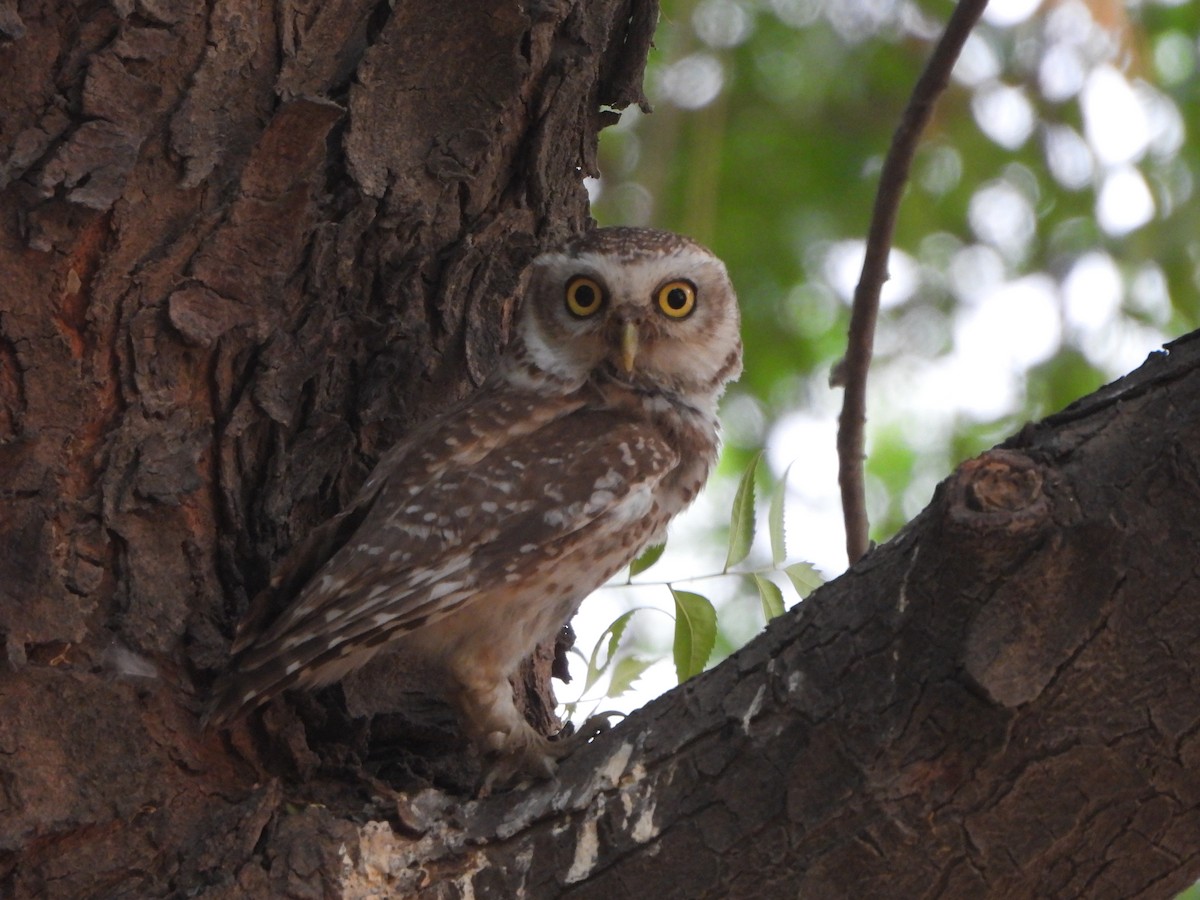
(691,354)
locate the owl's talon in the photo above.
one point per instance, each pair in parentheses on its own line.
(508,772)
(523,754)
(599,723)
(594,726)
(520,755)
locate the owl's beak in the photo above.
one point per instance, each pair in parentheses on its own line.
(629,346)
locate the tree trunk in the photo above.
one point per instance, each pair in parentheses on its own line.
(243,248)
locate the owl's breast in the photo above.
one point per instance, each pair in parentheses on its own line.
(695,437)
(507,618)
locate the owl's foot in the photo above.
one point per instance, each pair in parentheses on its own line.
(522,753)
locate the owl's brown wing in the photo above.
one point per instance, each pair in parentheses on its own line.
(435,540)
(297,568)
(465,420)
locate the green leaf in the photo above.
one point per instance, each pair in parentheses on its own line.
(695,633)
(770,595)
(610,636)
(646,559)
(626,672)
(741,520)
(775,519)
(805,577)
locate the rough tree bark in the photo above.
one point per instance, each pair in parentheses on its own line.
(242,247)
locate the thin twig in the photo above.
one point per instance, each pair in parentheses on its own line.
(851,372)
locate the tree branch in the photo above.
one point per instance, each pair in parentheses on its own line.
(851,372)
(999,703)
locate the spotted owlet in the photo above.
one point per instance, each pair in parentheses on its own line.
(477,536)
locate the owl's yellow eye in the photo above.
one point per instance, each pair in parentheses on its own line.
(584,296)
(677,299)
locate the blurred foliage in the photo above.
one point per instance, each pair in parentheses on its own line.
(698,635)
(1039,241)
(1048,241)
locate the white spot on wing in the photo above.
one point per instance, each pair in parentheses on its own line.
(633,506)
(609,480)
(599,500)
(441,589)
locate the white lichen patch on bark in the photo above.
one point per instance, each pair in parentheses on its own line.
(644,828)
(370,875)
(609,774)
(617,792)
(754,708)
(587,852)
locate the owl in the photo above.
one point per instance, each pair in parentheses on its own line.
(478,535)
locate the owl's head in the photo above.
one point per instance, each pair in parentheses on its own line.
(648,308)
